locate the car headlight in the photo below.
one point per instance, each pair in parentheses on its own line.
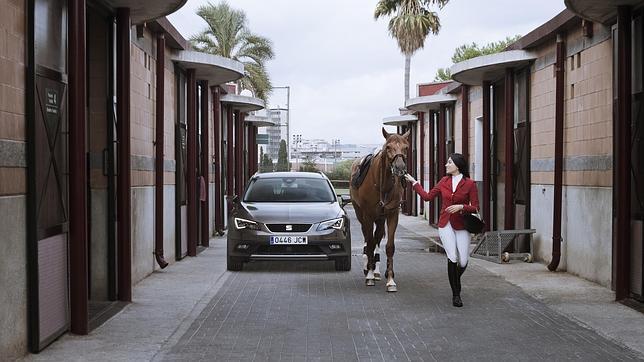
(331,224)
(246,224)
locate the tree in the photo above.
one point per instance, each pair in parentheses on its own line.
(282,158)
(410,26)
(469,51)
(308,165)
(266,164)
(341,171)
(227,35)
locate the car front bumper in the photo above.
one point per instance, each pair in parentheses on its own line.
(321,245)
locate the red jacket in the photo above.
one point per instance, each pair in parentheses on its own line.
(465,194)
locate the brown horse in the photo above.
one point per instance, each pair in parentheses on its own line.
(377,200)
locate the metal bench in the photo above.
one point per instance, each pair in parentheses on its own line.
(493,244)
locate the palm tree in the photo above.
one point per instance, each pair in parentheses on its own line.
(227,35)
(410,26)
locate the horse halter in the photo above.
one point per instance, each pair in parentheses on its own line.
(391,165)
(384,195)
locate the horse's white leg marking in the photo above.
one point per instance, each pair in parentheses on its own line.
(365,260)
(369,280)
(391,285)
(376,255)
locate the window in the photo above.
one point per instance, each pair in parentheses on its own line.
(289,189)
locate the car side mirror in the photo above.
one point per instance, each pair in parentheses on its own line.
(233,199)
(344,200)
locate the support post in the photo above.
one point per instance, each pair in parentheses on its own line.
(124,182)
(78,272)
(191,167)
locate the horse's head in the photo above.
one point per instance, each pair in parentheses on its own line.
(396,151)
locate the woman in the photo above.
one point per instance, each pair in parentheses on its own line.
(459,195)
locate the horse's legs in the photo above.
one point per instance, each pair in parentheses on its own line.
(367,231)
(392,223)
(364,246)
(377,238)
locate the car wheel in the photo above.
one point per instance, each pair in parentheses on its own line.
(234,264)
(343,264)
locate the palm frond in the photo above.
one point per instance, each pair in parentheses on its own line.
(385,8)
(258,80)
(227,35)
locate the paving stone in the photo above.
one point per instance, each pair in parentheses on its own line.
(308,311)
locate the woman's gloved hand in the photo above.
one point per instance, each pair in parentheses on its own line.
(410,178)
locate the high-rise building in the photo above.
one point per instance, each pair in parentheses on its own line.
(276,133)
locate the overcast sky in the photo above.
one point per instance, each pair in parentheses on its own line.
(344,70)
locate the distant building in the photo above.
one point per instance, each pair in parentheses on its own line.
(276,133)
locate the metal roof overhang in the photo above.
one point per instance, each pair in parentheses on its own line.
(490,67)
(429,103)
(602,11)
(259,121)
(243,103)
(215,69)
(142,11)
(399,120)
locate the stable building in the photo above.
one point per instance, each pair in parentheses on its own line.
(114,144)
(551,127)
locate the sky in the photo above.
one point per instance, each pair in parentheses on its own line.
(344,71)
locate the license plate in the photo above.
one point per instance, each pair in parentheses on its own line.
(288,240)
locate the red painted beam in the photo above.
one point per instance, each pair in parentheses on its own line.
(465,121)
(239,152)
(191,167)
(509,150)
(205,166)
(432,163)
(442,144)
(78,272)
(486,155)
(421,129)
(124,182)
(216,108)
(159,152)
(623,152)
(230,157)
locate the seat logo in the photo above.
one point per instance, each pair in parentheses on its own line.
(289,227)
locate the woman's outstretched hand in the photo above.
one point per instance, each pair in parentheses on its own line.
(410,178)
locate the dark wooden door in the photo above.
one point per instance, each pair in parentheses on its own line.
(637,162)
(48,212)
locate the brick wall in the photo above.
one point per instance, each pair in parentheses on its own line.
(142,111)
(587,116)
(12,97)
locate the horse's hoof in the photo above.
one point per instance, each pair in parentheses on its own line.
(365,271)
(370,282)
(376,276)
(392,288)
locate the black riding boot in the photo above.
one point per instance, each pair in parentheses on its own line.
(455,283)
(461,270)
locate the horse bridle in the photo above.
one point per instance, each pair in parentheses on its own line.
(384,195)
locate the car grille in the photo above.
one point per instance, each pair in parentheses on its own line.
(281,228)
(289,249)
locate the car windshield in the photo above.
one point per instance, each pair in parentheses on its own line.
(289,189)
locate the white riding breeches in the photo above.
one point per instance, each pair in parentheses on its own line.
(455,242)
